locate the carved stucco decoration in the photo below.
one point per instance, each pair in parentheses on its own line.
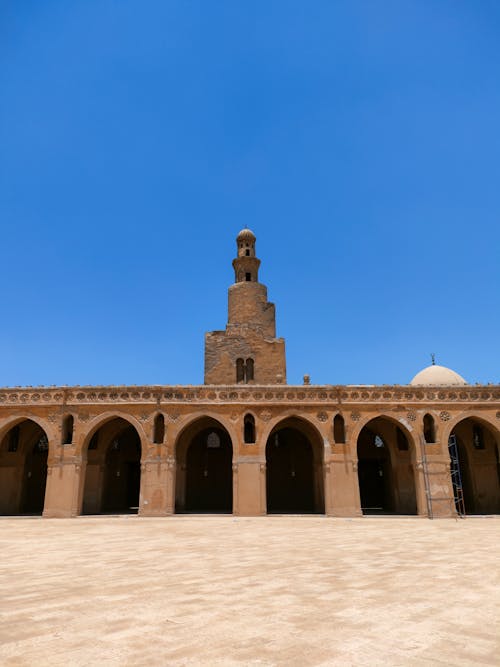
(444,416)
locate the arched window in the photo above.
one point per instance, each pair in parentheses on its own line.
(249,429)
(249,370)
(429,429)
(67,430)
(339,429)
(159,430)
(240,370)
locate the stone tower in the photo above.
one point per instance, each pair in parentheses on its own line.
(248,350)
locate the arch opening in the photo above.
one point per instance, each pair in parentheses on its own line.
(159,430)
(477,446)
(249,429)
(294,469)
(429,429)
(113,472)
(23,469)
(204,479)
(339,429)
(67,430)
(386,470)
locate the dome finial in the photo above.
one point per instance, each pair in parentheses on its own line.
(433,358)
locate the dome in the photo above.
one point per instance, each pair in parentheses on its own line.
(246,235)
(438,376)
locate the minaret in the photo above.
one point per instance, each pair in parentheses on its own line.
(247,351)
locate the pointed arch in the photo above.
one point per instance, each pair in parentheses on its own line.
(159,429)
(24,451)
(478,447)
(294,468)
(204,467)
(67,429)
(386,467)
(339,429)
(113,472)
(249,435)
(429,428)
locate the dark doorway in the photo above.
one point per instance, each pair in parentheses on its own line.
(294,477)
(204,472)
(477,444)
(113,471)
(122,478)
(373,486)
(209,472)
(35,477)
(386,469)
(23,473)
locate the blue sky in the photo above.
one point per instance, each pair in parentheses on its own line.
(359,140)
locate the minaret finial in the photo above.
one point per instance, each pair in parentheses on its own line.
(433,358)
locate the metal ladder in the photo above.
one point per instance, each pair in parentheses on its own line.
(456,477)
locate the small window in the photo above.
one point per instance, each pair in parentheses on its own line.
(67,430)
(247,252)
(249,429)
(249,369)
(401,440)
(429,429)
(477,437)
(339,429)
(248,277)
(240,370)
(213,440)
(159,430)
(13,445)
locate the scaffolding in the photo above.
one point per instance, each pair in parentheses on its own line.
(456,477)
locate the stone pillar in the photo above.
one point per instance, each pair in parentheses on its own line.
(249,487)
(157,487)
(62,492)
(440,486)
(341,484)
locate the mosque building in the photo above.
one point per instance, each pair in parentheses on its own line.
(246,442)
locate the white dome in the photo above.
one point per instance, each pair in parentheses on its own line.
(438,376)
(246,234)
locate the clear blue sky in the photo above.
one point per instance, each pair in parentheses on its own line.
(359,140)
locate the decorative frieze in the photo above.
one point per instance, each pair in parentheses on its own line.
(248,394)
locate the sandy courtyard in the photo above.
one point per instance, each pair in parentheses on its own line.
(193,590)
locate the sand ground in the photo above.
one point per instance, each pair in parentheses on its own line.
(207,590)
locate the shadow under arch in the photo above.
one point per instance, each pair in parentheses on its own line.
(204,468)
(478,446)
(23,468)
(386,467)
(294,468)
(113,450)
